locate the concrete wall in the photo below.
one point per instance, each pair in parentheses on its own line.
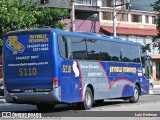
(83,25)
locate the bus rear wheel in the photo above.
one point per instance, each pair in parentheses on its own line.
(88,100)
(45,107)
(136,95)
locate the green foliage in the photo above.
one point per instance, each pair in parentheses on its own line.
(156,39)
(146,48)
(16,15)
(52,19)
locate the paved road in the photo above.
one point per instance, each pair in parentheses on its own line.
(146,103)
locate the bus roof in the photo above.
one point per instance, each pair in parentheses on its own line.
(80,34)
(96,36)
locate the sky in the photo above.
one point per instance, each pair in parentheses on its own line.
(142,4)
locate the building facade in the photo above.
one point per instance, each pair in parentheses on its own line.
(135,24)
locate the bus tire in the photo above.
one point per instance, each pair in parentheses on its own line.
(88,100)
(45,107)
(135,98)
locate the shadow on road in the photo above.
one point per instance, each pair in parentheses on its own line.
(154,94)
(24,108)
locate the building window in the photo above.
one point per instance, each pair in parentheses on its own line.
(136,18)
(89,2)
(106,3)
(86,2)
(119,2)
(94,2)
(153,19)
(122,17)
(109,3)
(44,1)
(106,15)
(146,19)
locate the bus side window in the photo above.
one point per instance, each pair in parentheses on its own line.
(115,52)
(105,51)
(93,52)
(63,46)
(77,48)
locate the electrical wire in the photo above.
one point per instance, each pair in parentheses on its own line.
(124,12)
(70,24)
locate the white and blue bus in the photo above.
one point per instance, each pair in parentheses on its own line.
(47,66)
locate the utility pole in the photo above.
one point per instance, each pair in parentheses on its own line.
(72,15)
(114,18)
(128,6)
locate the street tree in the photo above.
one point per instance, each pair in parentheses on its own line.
(17,15)
(156,39)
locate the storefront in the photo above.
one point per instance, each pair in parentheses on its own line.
(156,67)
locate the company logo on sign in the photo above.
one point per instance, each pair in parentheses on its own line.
(75,69)
(13,44)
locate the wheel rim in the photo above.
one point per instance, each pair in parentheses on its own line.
(88,99)
(136,94)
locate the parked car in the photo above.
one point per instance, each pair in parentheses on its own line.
(151,82)
(1,90)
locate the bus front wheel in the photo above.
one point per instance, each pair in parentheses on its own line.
(88,100)
(136,95)
(43,107)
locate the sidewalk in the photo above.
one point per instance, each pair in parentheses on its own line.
(156,82)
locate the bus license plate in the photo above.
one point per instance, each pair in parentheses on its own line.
(28,90)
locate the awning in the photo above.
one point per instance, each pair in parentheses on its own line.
(130,31)
(155,57)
